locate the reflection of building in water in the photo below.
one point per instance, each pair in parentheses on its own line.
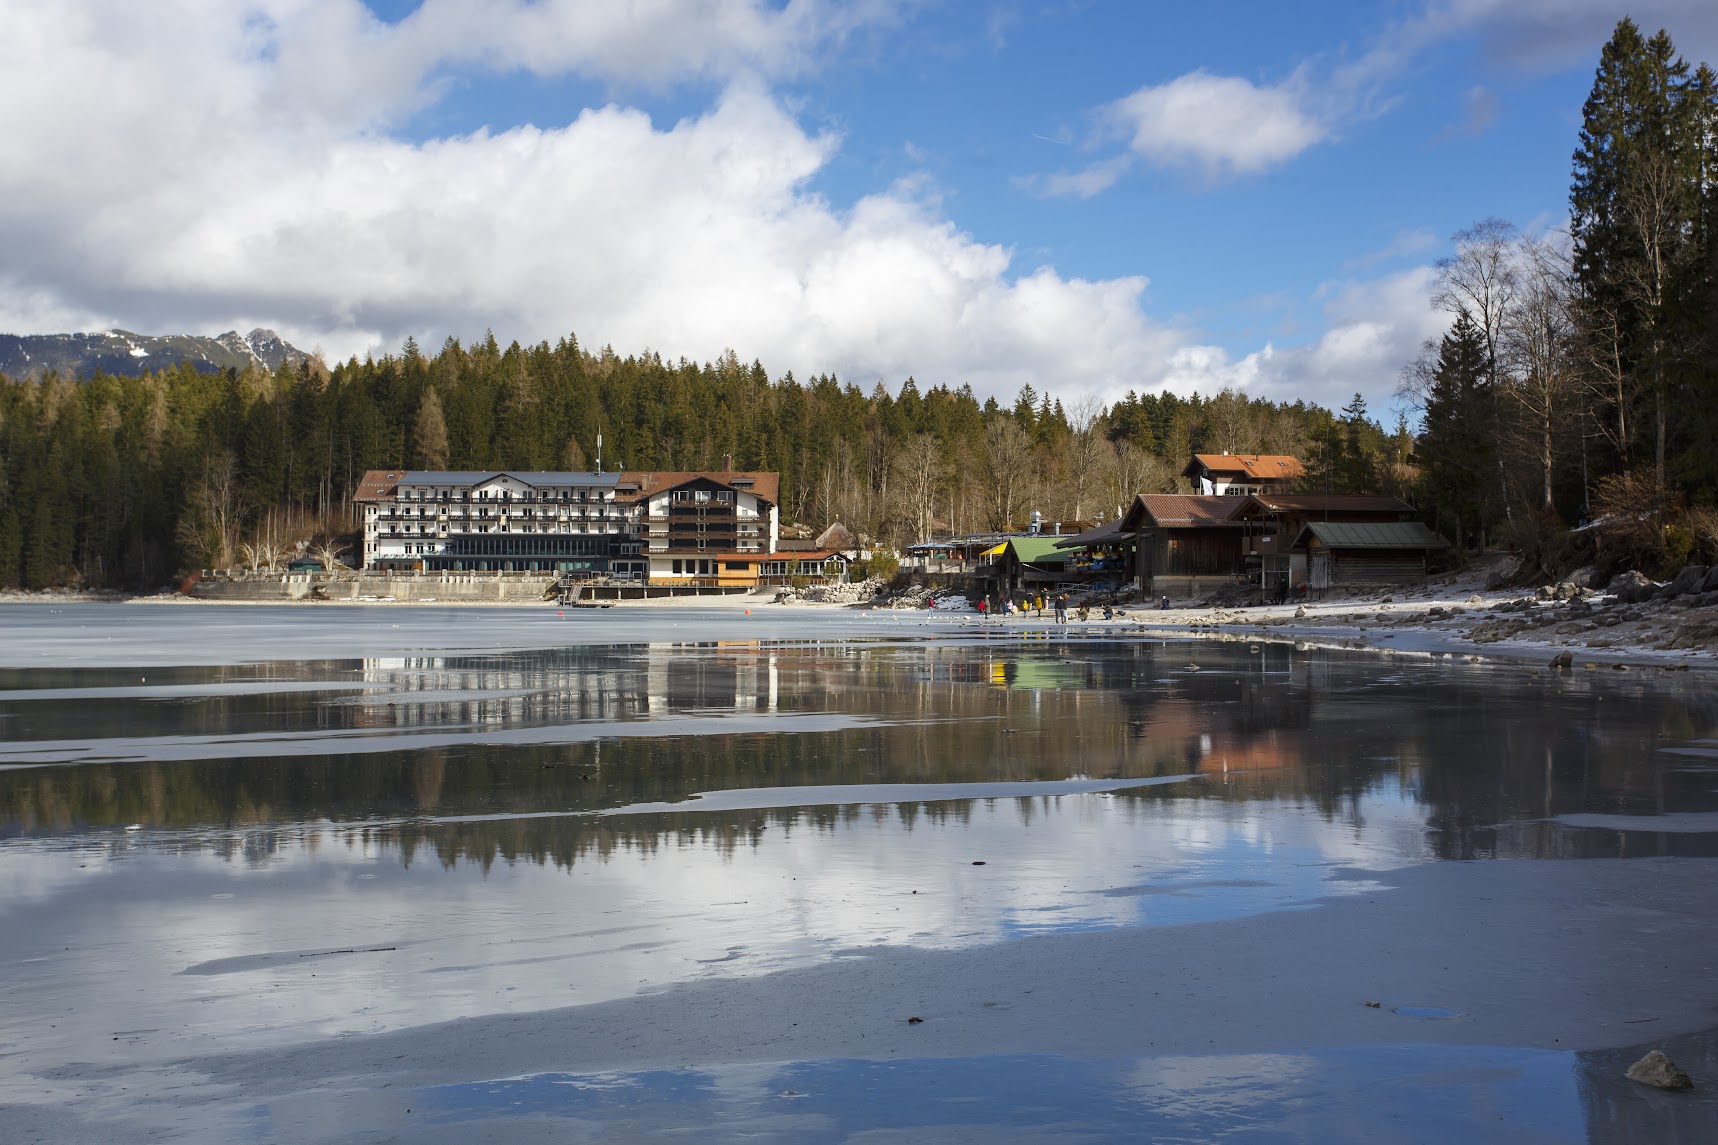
(570,684)
(712,676)
(539,688)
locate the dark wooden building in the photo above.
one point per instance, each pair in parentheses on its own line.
(1345,555)
(1184,546)
(1272,522)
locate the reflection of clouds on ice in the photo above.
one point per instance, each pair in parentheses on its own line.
(37,876)
(522,936)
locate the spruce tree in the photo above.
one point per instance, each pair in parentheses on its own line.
(1455,449)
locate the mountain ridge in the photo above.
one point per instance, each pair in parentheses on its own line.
(129,354)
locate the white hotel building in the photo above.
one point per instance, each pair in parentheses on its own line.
(693,527)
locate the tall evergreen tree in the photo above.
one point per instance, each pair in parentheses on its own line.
(1634,205)
(1455,450)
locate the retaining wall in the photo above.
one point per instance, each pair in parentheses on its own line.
(428,587)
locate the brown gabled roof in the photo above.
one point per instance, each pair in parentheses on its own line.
(764,485)
(1259,466)
(377,485)
(1320,503)
(1181,511)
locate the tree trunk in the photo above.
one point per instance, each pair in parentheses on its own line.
(1658,450)
(1545,458)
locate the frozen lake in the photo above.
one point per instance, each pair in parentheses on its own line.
(384,873)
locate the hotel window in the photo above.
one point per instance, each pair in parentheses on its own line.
(738,566)
(677,568)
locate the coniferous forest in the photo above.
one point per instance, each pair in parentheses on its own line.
(1577,383)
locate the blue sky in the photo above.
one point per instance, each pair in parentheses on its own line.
(1088,195)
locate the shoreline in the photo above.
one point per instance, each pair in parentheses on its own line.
(1456,619)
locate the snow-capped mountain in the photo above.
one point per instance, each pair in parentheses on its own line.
(122,352)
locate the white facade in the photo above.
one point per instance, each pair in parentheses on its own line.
(1225,485)
(429,519)
(625,526)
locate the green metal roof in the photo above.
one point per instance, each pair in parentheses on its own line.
(1381,535)
(1037,550)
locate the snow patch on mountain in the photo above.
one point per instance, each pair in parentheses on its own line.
(126,353)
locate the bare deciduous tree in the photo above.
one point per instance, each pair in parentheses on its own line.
(920,469)
(1087,451)
(1007,463)
(329,555)
(214,507)
(1537,348)
(260,555)
(1653,204)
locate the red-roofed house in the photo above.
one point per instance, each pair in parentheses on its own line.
(1238,474)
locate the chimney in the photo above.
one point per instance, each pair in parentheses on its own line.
(727,463)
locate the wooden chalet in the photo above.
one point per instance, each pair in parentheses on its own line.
(1241,474)
(1272,523)
(1185,546)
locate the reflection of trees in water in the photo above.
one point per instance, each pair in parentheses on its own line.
(1477,748)
(1489,753)
(1512,757)
(974,735)
(566,841)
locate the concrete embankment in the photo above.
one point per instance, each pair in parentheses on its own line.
(433,588)
(273,588)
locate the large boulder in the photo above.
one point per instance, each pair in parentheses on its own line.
(1691,579)
(1711,584)
(1587,576)
(1631,586)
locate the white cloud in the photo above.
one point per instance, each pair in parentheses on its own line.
(199,177)
(1220,124)
(1375,327)
(207,172)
